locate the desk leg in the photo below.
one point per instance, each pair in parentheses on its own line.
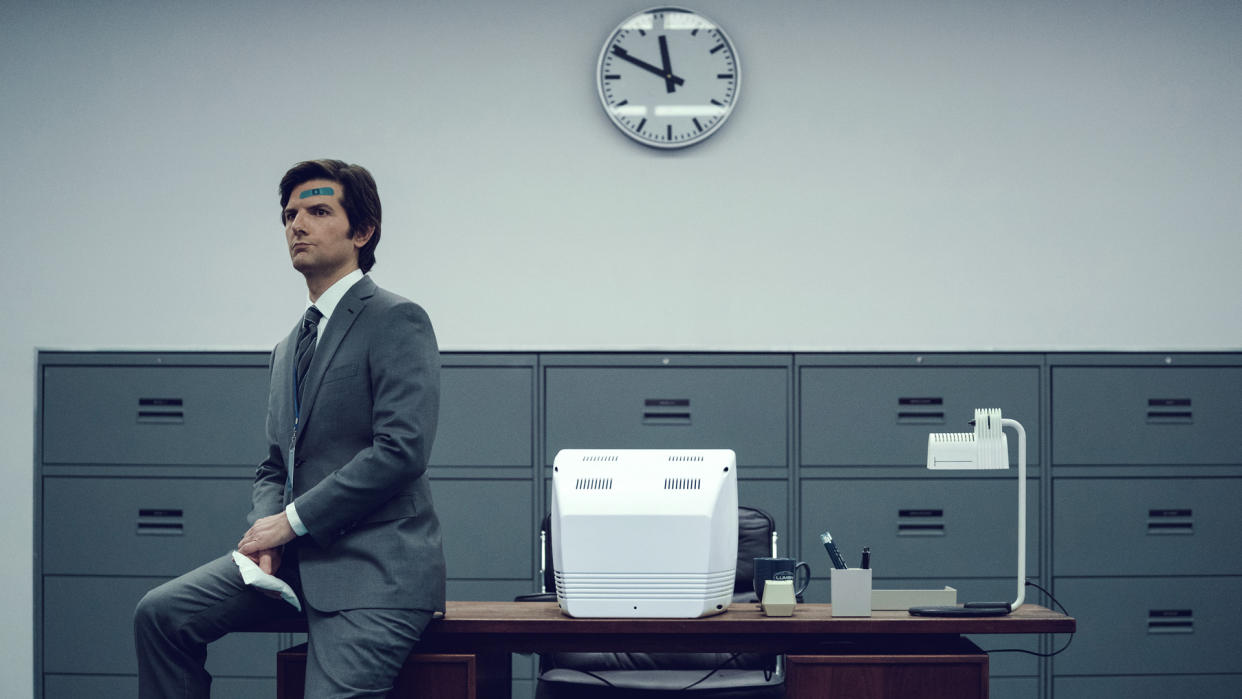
(425,675)
(887,676)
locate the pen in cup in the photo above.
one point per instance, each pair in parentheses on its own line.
(837,561)
(866,558)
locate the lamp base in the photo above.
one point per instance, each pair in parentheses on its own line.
(970,609)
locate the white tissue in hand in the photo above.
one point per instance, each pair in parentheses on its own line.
(254,576)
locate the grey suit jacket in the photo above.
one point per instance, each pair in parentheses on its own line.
(360,485)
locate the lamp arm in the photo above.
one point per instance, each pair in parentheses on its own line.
(1017,427)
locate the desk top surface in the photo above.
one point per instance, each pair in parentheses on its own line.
(546,618)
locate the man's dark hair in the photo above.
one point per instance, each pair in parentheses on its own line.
(359,197)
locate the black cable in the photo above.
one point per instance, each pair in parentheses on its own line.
(714,671)
(1035,653)
(767,674)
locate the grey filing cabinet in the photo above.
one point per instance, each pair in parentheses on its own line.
(1135,472)
(144,464)
(678,401)
(1146,454)
(863,422)
(483,481)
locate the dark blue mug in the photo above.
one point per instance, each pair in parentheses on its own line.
(780,569)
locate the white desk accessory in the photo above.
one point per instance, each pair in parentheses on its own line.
(851,591)
(778,598)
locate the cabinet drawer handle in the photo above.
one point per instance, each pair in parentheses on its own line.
(926,522)
(666,411)
(160,522)
(1169,411)
(160,411)
(920,411)
(1170,621)
(1170,521)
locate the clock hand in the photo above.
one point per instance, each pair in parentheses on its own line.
(623,54)
(668,67)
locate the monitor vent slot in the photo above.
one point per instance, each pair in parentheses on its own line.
(599,457)
(685,458)
(594,484)
(683,484)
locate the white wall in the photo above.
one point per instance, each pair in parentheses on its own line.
(973,174)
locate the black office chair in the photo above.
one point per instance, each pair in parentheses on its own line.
(650,675)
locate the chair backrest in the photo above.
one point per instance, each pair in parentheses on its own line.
(754,540)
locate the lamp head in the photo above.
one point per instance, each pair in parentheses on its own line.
(984,449)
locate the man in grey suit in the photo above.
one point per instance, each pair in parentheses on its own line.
(341,505)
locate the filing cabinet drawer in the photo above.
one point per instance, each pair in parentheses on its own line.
(490,590)
(1146,415)
(488,527)
(862,416)
(743,409)
(154,415)
(149,526)
(1151,625)
(88,628)
(1182,526)
(922,528)
(1148,687)
(1009,687)
(486,417)
(126,687)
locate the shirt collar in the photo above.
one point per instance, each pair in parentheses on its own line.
(329,299)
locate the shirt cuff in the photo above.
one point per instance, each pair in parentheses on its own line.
(295,521)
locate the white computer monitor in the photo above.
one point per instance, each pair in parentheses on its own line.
(644,532)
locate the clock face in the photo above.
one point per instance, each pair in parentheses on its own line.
(668,77)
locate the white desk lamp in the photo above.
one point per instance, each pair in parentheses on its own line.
(986,448)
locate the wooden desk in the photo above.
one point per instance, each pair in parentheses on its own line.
(890,654)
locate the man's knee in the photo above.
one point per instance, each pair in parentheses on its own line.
(153,610)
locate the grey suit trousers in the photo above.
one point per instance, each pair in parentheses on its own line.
(346,656)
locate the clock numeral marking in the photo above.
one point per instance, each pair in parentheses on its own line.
(725,76)
(697,125)
(718,47)
(622,103)
(670,132)
(612,76)
(694,33)
(718,103)
(642,32)
(641,124)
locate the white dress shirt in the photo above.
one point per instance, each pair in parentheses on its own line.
(326,304)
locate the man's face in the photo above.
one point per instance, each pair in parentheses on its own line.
(317,231)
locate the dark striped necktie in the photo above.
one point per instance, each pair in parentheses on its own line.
(306,345)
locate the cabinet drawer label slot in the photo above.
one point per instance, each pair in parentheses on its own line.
(920,522)
(920,411)
(1170,521)
(1170,621)
(160,411)
(1169,411)
(160,522)
(666,411)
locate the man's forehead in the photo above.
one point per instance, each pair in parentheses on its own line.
(315,188)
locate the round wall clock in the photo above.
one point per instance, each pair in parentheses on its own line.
(668,77)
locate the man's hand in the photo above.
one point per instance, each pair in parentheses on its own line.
(269,562)
(261,543)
